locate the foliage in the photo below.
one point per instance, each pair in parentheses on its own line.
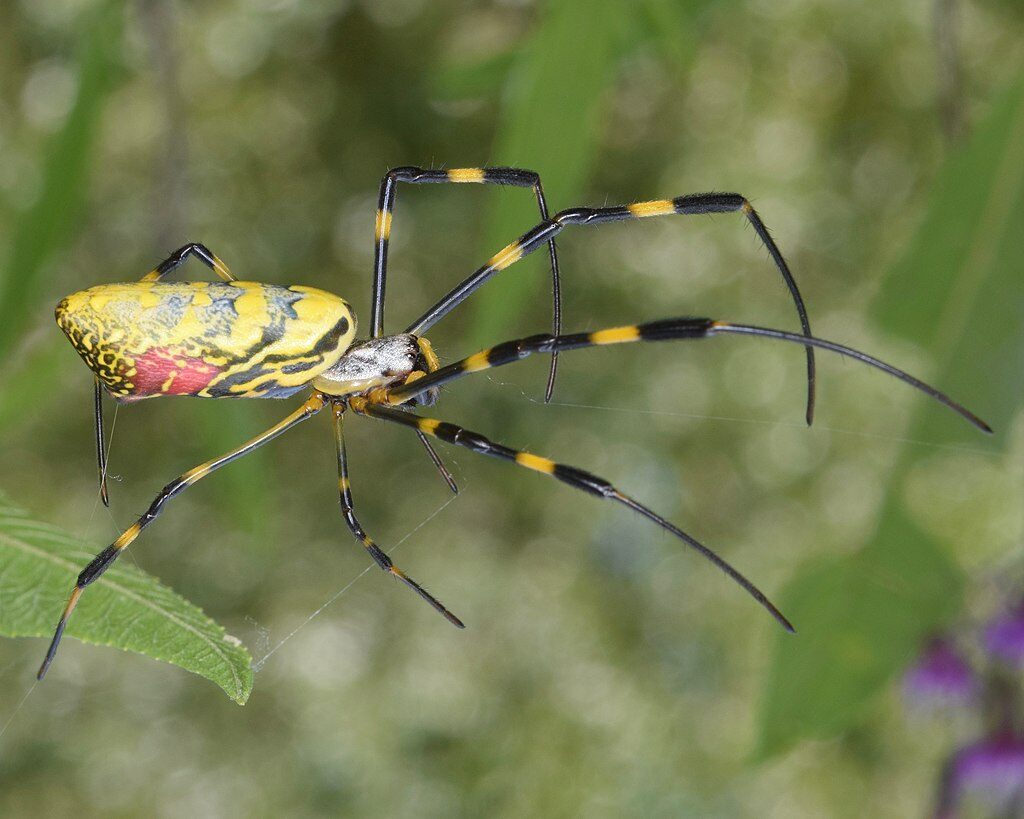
(125,608)
(959,289)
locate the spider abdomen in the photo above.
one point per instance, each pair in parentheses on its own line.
(206,339)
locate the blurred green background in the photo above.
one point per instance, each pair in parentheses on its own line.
(605,670)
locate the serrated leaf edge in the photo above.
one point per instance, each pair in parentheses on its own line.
(237,696)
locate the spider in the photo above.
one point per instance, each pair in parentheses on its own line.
(237,339)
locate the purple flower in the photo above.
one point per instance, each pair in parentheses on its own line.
(1004,637)
(941,676)
(990,772)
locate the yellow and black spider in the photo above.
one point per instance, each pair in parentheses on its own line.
(235,339)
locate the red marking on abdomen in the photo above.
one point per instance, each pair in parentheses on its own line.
(156,366)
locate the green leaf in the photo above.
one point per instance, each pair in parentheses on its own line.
(858,620)
(958,291)
(47,226)
(125,608)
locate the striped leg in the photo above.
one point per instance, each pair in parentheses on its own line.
(577,478)
(178,257)
(681,205)
(103,561)
(664,330)
(516,177)
(349,512)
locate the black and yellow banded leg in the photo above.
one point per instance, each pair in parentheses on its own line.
(515,177)
(681,205)
(104,560)
(570,475)
(349,513)
(674,329)
(178,258)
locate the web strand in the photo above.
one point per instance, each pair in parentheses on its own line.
(258,665)
(768,422)
(18,707)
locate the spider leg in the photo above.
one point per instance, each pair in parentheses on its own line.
(684,328)
(577,478)
(178,257)
(516,177)
(103,561)
(101,446)
(348,511)
(438,463)
(432,362)
(690,204)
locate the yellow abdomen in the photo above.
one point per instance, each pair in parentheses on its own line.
(207,339)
